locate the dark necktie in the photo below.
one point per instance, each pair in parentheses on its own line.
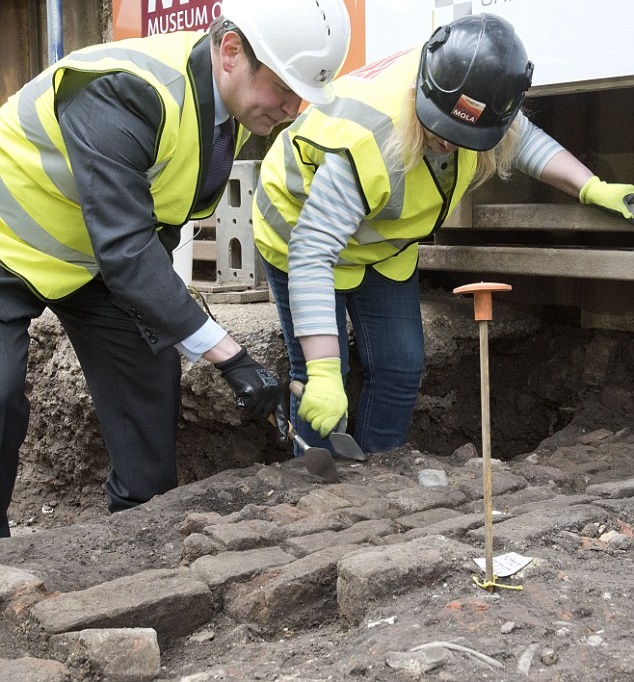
(221,159)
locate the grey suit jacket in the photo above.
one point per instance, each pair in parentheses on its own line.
(110,125)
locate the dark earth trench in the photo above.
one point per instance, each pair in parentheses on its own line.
(562,401)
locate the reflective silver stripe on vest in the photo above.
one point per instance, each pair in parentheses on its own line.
(294,179)
(381,126)
(29,231)
(295,185)
(152,173)
(167,76)
(366,234)
(53,162)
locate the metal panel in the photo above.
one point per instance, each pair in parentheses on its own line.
(546,217)
(613,264)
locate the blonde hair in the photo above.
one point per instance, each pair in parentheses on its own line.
(407,145)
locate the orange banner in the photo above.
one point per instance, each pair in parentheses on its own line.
(135,18)
(356,55)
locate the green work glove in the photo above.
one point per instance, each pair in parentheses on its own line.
(612,197)
(324,400)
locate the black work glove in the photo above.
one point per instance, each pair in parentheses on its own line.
(279,419)
(257,390)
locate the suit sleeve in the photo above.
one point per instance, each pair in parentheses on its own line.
(110,129)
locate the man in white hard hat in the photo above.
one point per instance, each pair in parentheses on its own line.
(103,157)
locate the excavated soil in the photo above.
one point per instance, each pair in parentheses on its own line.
(562,407)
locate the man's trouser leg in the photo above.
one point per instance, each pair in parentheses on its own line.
(136,394)
(17,307)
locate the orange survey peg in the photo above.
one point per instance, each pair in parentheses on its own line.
(482,297)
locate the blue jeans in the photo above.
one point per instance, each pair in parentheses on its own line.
(388,331)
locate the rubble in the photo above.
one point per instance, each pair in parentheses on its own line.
(254,569)
(371,578)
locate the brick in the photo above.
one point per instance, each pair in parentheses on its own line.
(594,437)
(221,570)
(464,453)
(501,483)
(388,483)
(556,502)
(374,509)
(321,501)
(278,478)
(519,532)
(426,517)
(540,475)
(195,546)
(359,533)
(613,489)
(173,602)
(300,594)
(283,514)
(476,464)
(115,655)
(243,534)
(316,523)
(196,521)
(374,576)
(29,669)
(355,495)
(418,499)
(279,513)
(15,582)
(458,526)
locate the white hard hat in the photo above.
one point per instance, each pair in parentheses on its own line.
(304,42)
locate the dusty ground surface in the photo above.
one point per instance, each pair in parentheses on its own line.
(573,619)
(544,369)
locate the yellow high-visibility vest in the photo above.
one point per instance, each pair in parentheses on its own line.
(401,207)
(43,237)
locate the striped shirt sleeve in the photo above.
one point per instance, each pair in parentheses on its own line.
(332,214)
(536,148)
(329,217)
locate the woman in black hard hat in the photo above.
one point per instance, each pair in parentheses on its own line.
(471,82)
(347,192)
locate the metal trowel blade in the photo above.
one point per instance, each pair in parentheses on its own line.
(319,462)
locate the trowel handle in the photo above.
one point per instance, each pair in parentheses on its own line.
(297,438)
(292,434)
(296,388)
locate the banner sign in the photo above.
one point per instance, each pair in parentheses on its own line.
(135,18)
(167,16)
(568,40)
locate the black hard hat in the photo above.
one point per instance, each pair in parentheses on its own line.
(471,82)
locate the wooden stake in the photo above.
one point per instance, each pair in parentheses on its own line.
(483,312)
